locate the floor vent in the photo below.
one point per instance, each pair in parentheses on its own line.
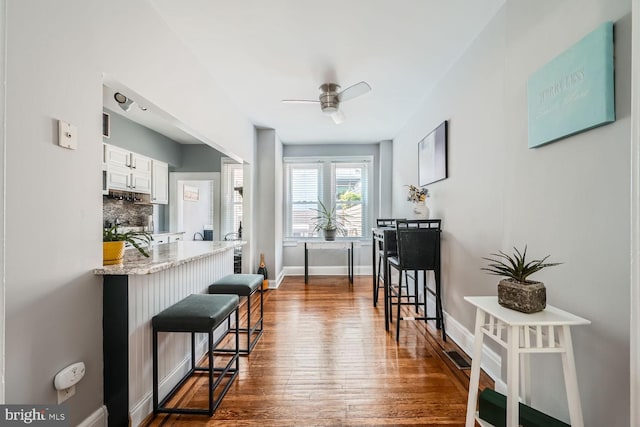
(459,361)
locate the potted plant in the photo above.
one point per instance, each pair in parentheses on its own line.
(329,221)
(113,244)
(515,291)
(418,197)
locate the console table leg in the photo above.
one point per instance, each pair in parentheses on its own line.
(513,376)
(570,377)
(476,361)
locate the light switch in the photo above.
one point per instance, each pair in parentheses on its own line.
(67,135)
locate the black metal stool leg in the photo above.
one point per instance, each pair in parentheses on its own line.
(155,371)
(249,329)
(399,306)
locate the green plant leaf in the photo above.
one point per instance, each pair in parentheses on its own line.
(515,266)
(136,238)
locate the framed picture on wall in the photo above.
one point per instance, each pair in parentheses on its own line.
(191,193)
(432,156)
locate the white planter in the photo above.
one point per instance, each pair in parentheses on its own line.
(420,210)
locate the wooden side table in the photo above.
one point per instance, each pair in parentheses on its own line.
(547,331)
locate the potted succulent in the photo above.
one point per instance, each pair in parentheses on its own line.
(329,221)
(113,244)
(515,291)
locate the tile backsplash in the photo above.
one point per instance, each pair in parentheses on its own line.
(129,214)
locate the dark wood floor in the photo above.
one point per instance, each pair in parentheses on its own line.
(325,360)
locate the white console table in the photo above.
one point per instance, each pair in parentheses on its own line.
(547,331)
(333,244)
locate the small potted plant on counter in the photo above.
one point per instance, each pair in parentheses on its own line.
(515,291)
(329,221)
(113,244)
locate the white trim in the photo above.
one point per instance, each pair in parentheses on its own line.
(327,270)
(99,418)
(3,223)
(634,291)
(491,361)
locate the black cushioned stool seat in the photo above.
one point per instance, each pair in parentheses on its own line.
(244,285)
(198,313)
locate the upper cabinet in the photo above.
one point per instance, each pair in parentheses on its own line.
(160,183)
(127,171)
(141,164)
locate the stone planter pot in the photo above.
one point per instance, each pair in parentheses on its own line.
(529,297)
(330,235)
(112,253)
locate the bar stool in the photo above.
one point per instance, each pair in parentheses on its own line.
(244,285)
(418,250)
(391,251)
(200,313)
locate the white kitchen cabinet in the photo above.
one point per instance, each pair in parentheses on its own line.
(140,183)
(118,157)
(127,171)
(141,164)
(175,237)
(118,178)
(160,183)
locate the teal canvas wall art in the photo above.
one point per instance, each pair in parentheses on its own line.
(575,91)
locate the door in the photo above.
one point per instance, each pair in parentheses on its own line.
(194,204)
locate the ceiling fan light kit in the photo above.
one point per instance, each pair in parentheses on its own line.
(331,97)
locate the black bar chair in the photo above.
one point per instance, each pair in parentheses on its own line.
(418,243)
(391,251)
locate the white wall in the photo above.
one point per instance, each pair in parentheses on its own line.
(57,53)
(197,213)
(3,52)
(269,201)
(569,199)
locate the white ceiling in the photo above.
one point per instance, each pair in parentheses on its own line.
(261,52)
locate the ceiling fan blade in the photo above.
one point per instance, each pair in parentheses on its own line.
(299,101)
(338,117)
(353,91)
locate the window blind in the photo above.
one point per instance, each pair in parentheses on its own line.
(232,186)
(339,182)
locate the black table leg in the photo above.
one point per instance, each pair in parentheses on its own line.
(373,263)
(350,255)
(306,264)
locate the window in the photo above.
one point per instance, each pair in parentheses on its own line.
(232,186)
(339,182)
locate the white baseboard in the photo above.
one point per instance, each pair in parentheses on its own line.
(491,361)
(97,419)
(330,270)
(276,284)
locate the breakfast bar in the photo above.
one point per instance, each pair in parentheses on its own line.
(135,291)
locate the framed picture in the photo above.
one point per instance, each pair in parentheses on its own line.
(432,156)
(191,193)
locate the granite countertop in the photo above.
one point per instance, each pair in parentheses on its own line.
(167,256)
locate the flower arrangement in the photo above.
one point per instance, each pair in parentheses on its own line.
(416,194)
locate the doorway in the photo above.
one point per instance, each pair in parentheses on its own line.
(194,204)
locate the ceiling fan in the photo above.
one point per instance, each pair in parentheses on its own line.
(331,96)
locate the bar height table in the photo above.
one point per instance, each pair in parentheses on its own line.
(382,235)
(547,331)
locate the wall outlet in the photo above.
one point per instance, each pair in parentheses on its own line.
(66,393)
(67,135)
